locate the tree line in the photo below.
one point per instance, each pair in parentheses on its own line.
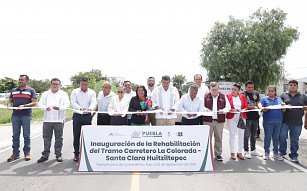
(95,77)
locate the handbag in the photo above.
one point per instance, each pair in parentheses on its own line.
(241,123)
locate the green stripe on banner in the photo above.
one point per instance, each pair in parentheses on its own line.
(87,162)
(203,166)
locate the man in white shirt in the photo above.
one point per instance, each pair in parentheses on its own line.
(191,103)
(150,89)
(55,102)
(129,93)
(165,97)
(104,98)
(83,99)
(202,89)
(219,104)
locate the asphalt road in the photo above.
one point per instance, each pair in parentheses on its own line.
(251,174)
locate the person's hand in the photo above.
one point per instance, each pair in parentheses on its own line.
(55,107)
(139,111)
(233,110)
(21,107)
(264,110)
(290,106)
(220,112)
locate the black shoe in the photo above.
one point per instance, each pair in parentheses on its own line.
(76,158)
(219,158)
(59,159)
(42,159)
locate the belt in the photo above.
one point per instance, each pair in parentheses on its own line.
(214,120)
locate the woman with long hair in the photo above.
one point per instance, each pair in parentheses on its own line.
(238,103)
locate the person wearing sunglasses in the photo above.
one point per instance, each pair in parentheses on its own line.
(117,108)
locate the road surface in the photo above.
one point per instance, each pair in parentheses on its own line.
(251,174)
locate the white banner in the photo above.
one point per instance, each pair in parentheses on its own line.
(146,148)
(225,87)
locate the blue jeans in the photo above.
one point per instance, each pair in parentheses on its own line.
(295,132)
(271,130)
(17,123)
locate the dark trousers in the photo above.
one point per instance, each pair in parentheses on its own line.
(152,119)
(78,121)
(186,121)
(103,119)
(48,129)
(118,120)
(250,133)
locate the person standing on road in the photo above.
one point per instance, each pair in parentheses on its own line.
(252,122)
(83,101)
(165,97)
(202,89)
(21,97)
(292,120)
(117,108)
(129,93)
(191,103)
(139,103)
(104,98)
(272,120)
(219,105)
(238,103)
(55,102)
(150,88)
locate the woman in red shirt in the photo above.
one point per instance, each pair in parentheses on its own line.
(238,103)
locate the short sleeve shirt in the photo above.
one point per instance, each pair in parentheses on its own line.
(294,116)
(252,99)
(22,97)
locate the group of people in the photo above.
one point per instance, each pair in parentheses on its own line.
(112,109)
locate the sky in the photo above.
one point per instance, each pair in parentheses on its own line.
(132,39)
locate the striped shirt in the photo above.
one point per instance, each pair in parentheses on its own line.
(22,97)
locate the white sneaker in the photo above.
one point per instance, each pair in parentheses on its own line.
(278,157)
(247,155)
(255,153)
(266,156)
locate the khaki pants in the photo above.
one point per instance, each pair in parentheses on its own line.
(165,122)
(217,129)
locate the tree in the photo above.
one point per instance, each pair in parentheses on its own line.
(94,76)
(7,84)
(248,50)
(178,81)
(186,86)
(39,85)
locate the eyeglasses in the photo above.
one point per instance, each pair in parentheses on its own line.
(55,84)
(120,92)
